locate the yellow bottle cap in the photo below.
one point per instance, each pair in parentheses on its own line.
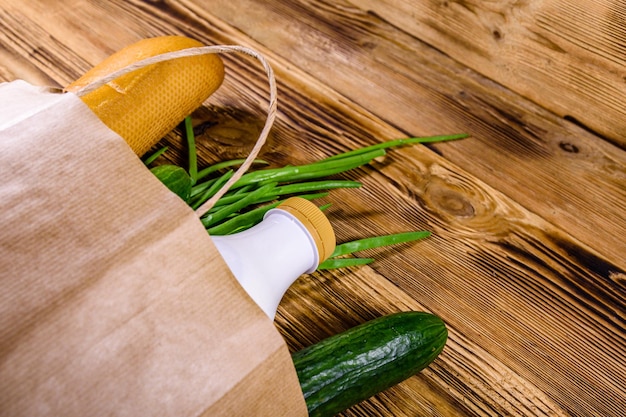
(316,223)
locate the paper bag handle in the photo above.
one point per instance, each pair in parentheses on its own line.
(203,50)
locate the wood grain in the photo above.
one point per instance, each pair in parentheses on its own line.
(526,269)
(568,56)
(423,92)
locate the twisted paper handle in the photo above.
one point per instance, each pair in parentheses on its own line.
(218,49)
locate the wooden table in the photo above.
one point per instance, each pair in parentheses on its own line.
(527,260)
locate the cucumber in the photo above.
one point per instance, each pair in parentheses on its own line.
(352,366)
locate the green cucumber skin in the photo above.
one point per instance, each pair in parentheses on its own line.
(350,367)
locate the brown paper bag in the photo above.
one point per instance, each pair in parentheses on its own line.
(114,300)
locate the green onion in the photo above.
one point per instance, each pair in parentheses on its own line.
(297,188)
(252,217)
(225,164)
(363,244)
(258,191)
(377,242)
(333,263)
(212,218)
(150,159)
(191,150)
(211,190)
(309,171)
(396,143)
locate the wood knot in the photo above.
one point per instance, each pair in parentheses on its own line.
(231,135)
(231,127)
(569,147)
(450,201)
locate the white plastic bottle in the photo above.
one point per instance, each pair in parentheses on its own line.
(293,239)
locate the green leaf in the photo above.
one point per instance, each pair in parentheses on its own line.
(175,178)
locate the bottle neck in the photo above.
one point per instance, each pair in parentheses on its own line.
(267,258)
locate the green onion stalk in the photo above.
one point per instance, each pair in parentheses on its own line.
(261,189)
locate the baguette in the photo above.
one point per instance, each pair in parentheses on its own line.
(146,104)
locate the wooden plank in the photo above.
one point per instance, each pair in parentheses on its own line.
(568,56)
(536,317)
(487,388)
(306,114)
(498,275)
(533,156)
